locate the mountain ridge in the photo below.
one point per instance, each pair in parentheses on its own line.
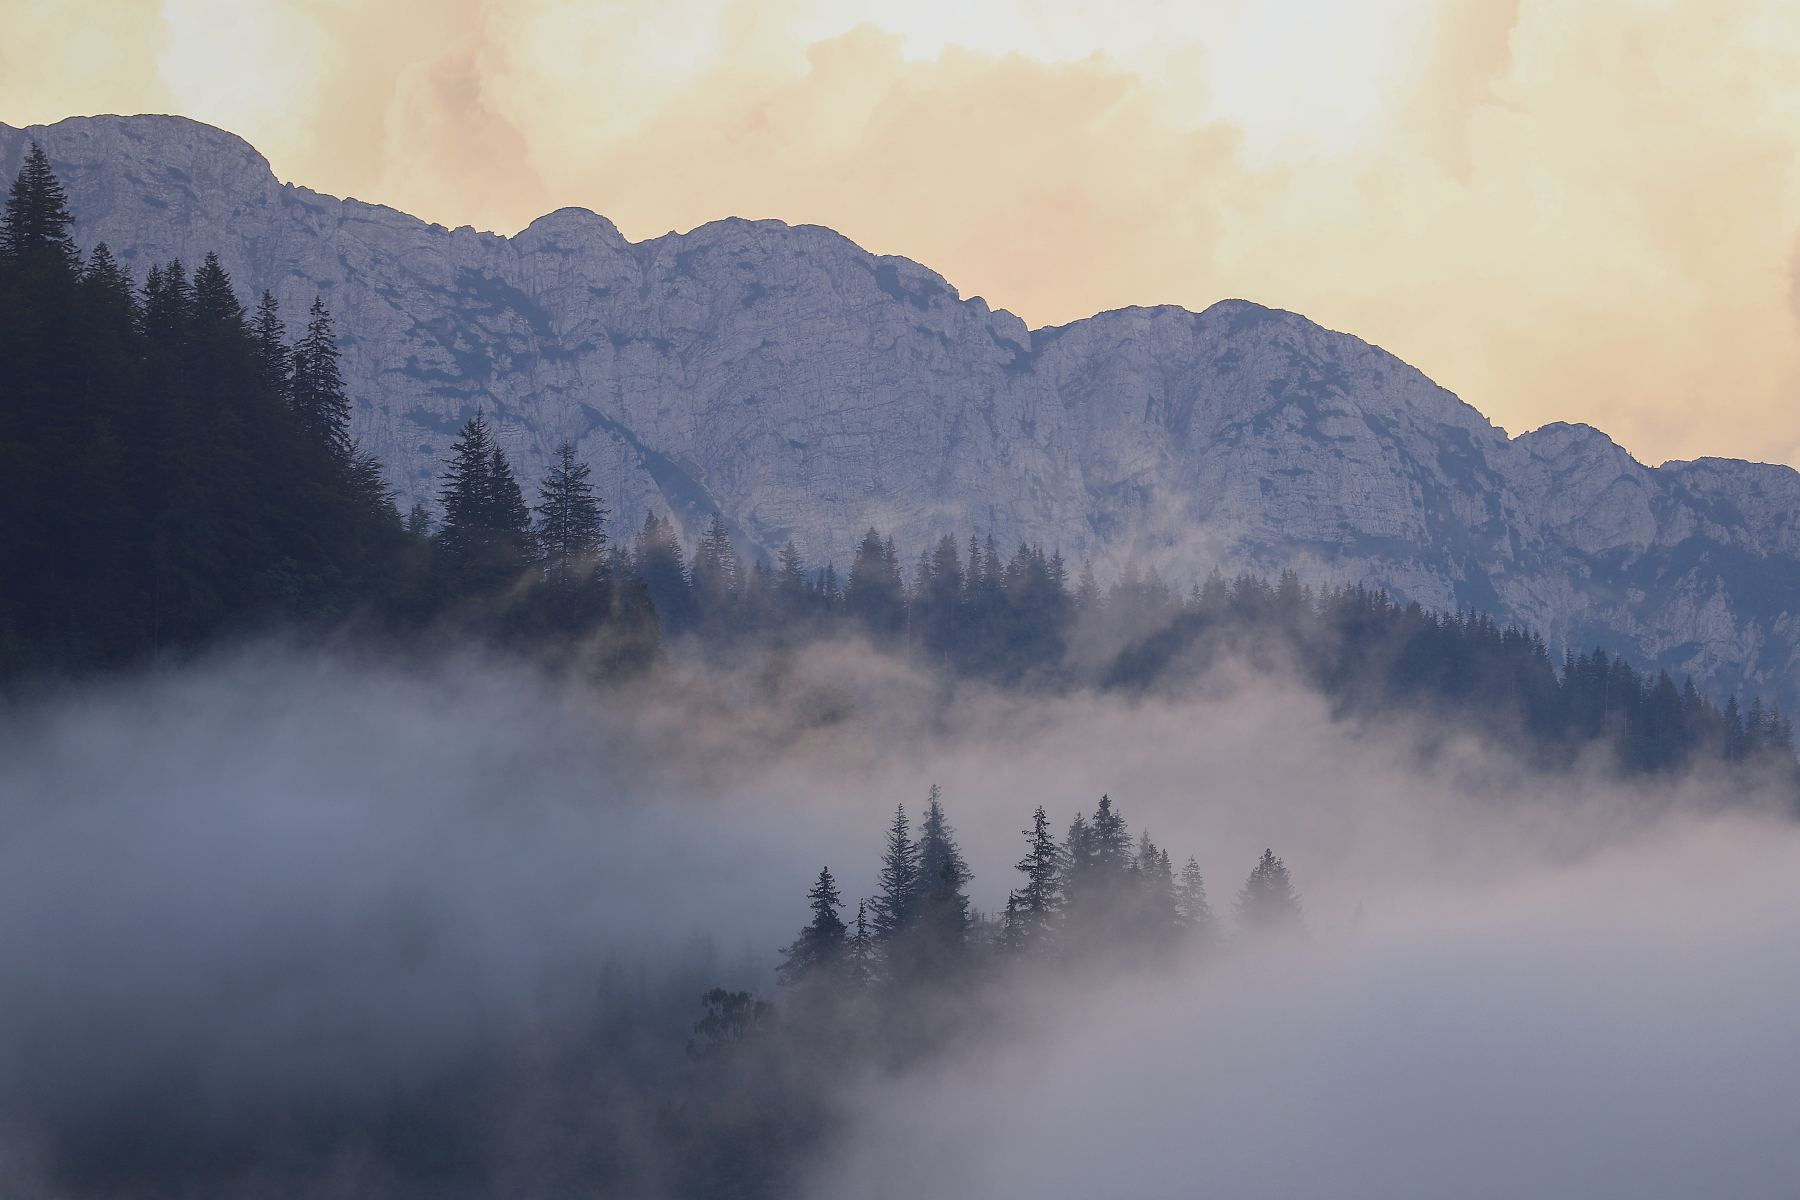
(806,388)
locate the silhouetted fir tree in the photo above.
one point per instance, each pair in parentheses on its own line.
(35,229)
(1032,909)
(571,523)
(718,576)
(1267,903)
(790,583)
(942,876)
(859,950)
(938,598)
(272,353)
(821,947)
(829,594)
(1098,886)
(893,909)
(1155,877)
(419,520)
(1191,905)
(657,560)
(316,392)
(876,594)
(1087,591)
(486,535)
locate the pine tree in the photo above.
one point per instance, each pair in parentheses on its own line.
(876,593)
(571,524)
(897,904)
(790,581)
(1031,910)
(320,402)
(272,351)
(943,905)
(1156,889)
(35,227)
(486,532)
(419,521)
(657,560)
(1191,904)
(718,574)
(1267,903)
(821,944)
(859,950)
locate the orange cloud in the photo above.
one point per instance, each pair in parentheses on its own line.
(1568,212)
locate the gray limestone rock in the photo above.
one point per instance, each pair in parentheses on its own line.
(807,389)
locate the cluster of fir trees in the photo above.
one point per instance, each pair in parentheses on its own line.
(168,462)
(1018,619)
(1096,892)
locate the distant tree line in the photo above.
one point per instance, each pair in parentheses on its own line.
(1018,620)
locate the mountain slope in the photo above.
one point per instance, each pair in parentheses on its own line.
(809,389)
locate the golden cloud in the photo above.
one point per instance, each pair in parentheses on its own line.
(1571,212)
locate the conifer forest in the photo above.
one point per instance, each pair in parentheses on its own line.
(180,484)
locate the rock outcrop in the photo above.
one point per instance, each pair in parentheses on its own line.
(805,388)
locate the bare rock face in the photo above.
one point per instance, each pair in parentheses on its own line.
(808,389)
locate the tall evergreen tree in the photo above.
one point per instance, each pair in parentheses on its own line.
(876,594)
(1267,903)
(943,876)
(36,224)
(1191,903)
(1157,914)
(718,574)
(272,350)
(657,560)
(320,401)
(486,533)
(571,524)
(894,908)
(821,944)
(1032,909)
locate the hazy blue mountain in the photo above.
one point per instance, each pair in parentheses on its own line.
(808,389)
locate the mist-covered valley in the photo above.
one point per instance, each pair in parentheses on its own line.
(318,921)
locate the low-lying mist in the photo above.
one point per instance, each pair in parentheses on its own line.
(255,911)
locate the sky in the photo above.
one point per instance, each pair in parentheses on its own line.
(1582,212)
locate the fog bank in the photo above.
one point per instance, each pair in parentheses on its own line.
(278,875)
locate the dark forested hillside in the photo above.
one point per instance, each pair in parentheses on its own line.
(168,464)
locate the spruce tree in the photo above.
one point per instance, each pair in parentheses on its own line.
(1032,909)
(821,944)
(718,574)
(943,876)
(317,394)
(571,524)
(790,582)
(894,908)
(876,593)
(1156,889)
(657,560)
(486,534)
(36,224)
(272,351)
(1267,903)
(1191,903)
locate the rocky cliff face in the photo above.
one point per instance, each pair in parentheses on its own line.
(808,389)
